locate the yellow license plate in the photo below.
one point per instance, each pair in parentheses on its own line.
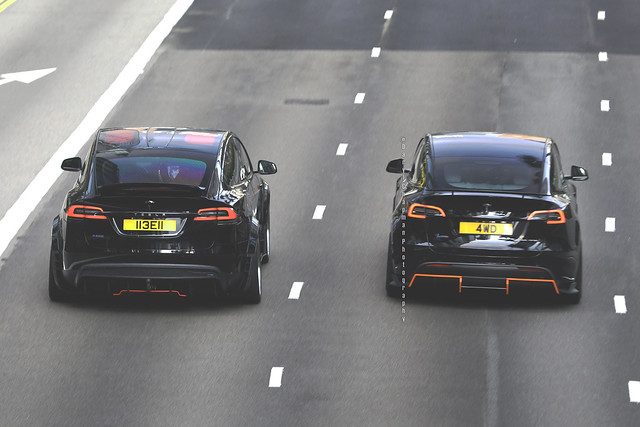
(149,225)
(486,228)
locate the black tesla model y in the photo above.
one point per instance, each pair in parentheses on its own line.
(486,210)
(162,210)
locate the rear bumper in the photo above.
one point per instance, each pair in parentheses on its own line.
(549,272)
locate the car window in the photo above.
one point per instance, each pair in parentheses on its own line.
(556,170)
(150,170)
(244,164)
(419,168)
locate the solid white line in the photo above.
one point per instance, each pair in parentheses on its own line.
(601,15)
(319,212)
(603,57)
(634,391)
(610,225)
(607,159)
(296,288)
(375,52)
(388,14)
(605,105)
(620,304)
(359,98)
(342,149)
(39,187)
(275,379)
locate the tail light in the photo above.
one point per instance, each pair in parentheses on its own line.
(212,214)
(422,211)
(554,216)
(90,212)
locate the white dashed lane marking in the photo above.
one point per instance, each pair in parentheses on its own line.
(601,15)
(296,288)
(634,391)
(610,225)
(359,98)
(319,212)
(388,14)
(275,379)
(605,105)
(342,149)
(620,304)
(607,159)
(603,57)
(375,52)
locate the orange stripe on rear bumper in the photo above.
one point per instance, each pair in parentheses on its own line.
(555,287)
(439,275)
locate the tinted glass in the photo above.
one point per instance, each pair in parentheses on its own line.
(521,174)
(151,168)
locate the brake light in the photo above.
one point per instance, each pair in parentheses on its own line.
(422,211)
(210,214)
(90,212)
(554,216)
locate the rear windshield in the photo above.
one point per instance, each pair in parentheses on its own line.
(522,174)
(150,168)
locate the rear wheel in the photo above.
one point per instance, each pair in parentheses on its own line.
(253,294)
(265,238)
(55,293)
(392,291)
(575,297)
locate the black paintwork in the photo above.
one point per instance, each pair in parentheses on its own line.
(159,173)
(434,245)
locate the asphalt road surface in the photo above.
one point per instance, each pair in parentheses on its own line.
(285,75)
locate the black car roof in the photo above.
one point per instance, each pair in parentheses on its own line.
(131,139)
(478,144)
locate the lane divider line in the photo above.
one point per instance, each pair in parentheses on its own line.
(610,225)
(607,159)
(5,4)
(620,304)
(359,98)
(319,212)
(17,214)
(601,15)
(603,57)
(388,14)
(296,288)
(605,105)
(634,391)
(342,149)
(375,52)
(275,379)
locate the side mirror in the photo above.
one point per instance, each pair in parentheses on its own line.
(73,164)
(578,173)
(266,167)
(395,166)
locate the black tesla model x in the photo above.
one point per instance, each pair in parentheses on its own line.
(162,210)
(486,210)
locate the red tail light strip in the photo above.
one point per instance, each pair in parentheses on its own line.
(515,279)
(72,212)
(439,275)
(562,219)
(154,291)
(229,213)
(430,207)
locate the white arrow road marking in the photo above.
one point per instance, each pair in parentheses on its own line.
(25,76)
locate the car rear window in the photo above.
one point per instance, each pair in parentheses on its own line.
(522,174)
(112,170)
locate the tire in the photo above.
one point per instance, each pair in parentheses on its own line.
(55,293)
(574,298)
(392,291)
(265,236)
(253,293)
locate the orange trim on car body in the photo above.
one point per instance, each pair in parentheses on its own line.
(440,275)
(555,287)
